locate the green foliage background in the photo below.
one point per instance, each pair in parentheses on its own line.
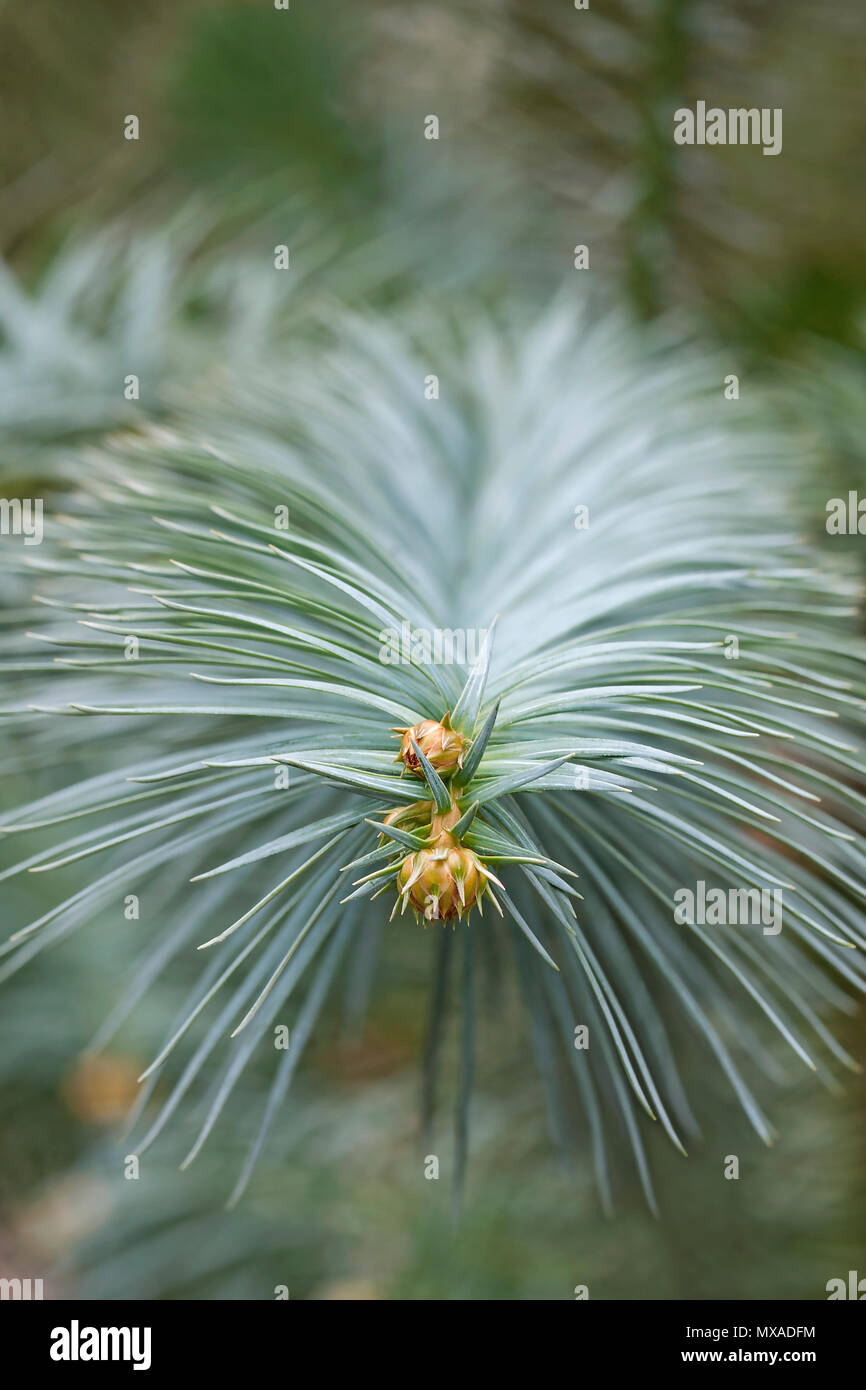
(554,131)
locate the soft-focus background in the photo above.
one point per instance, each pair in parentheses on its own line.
(306,127)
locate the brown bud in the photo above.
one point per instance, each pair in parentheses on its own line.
(442,882)
(410,817)
(442,746)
